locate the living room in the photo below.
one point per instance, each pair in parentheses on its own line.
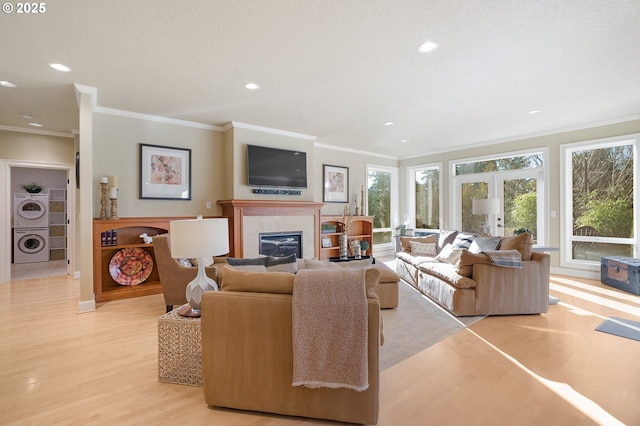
(513,370)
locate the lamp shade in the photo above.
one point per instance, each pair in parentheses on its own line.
(196,238)
(486,206)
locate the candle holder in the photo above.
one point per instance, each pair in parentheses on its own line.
(362,201)
(103,201)
(114,209)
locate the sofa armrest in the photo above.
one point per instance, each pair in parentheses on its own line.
(505,291)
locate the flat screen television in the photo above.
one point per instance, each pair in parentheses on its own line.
(273,167)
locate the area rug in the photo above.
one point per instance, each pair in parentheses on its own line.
(620,327)
(414,325)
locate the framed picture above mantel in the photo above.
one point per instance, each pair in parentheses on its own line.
(165,172)
(336,184)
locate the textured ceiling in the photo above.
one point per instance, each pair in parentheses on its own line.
(333,69)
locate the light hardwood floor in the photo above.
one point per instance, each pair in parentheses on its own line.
(58,366)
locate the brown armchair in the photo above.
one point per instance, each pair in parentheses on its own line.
(173,276)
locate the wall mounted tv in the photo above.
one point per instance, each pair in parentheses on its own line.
(273,167)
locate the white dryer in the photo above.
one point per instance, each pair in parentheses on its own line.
(30,210)
(30,245)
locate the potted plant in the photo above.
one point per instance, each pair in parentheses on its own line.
(32,188)
(402,229)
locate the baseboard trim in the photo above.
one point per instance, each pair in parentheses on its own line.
(86,306)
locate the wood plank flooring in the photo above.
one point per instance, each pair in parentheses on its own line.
(61,367)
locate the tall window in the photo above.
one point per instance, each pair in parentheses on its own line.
(382,203)
(424,197)
(600,181)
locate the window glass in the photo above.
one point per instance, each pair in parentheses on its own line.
(427,198)
(520,162)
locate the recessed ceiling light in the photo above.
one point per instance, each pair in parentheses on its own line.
(8,84)
(404,140)
(535,111)
(60,67)
(35,124)
(428,46)
(389,123)
(27,116)
(252,86)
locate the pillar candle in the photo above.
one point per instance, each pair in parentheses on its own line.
(113,193)
(104,179)
(114,181)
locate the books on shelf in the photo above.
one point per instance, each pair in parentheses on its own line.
(109,238)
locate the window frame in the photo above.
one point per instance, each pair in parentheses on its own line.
(394,199)
(566,193)
(411,193)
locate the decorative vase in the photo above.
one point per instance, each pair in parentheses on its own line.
(344,246)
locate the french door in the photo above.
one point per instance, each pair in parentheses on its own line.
(520,203)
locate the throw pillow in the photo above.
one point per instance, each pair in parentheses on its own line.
(449,254)
(481,244)
(423,249)
(521,242)
(208,261)
(282,264)
(185,262)
(446,237)
(463,240)
(468,259)
(257,264)
(243,280)
(405,242)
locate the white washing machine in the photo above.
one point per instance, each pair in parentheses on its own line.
(30,210)
(30,245)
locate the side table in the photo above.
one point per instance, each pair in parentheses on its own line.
(179,349)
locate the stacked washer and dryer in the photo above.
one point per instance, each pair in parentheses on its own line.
(31,228)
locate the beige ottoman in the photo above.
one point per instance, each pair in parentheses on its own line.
(387,286)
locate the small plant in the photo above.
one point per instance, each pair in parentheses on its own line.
(32,188)
(402,229)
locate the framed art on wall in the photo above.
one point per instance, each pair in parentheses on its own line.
(165,172)
(336,184)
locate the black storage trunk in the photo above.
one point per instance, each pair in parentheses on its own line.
(621,272)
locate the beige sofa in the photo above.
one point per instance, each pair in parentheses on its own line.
(247,355)
(467,283)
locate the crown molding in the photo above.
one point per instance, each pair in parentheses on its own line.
(36,131)
(527,136)
(156,118)
(354,151)
(246,126)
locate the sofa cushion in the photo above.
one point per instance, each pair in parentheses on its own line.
(282,264)
(259,282)
(257,264)
(464,266)
(446,237)
(447,272)
(463,240)
(521,242)
(449,254)
(405,242)
(415,261)
(425,249)
(481,244)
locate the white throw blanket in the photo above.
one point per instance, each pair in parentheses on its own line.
(330,323)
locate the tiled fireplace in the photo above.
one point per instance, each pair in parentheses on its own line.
(250,218)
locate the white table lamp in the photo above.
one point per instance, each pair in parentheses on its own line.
(199,238)
(486,206)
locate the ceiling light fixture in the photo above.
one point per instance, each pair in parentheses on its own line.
(59,67)
(8,84)
(428,46)
(35,124)
(252,86)
(535,111)
(389,123)
(404,141)
(27,116)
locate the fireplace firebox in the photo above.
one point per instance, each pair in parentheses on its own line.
(281,244)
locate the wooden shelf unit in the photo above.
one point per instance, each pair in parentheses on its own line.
(361,229)
(129,229)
